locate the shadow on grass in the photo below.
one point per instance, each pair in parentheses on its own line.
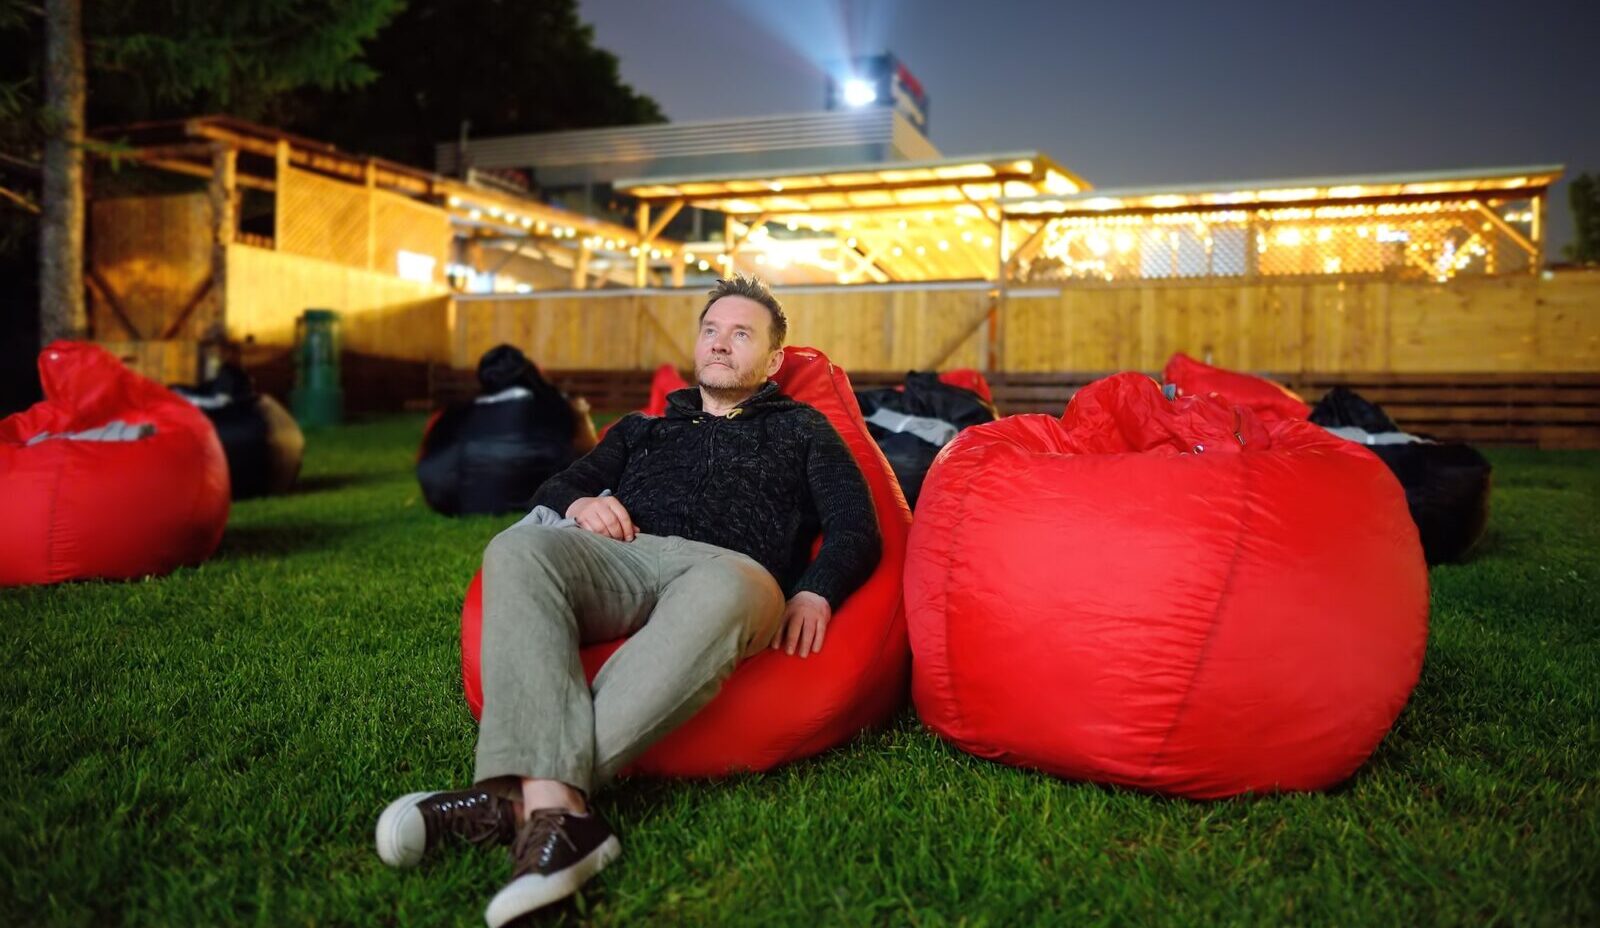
(256,541)
(319,483)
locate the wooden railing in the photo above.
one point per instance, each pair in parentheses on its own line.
(1536,410)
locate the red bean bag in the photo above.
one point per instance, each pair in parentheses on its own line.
(666,380)
(1269,400)
(111,476)
(968,379)
(776,708)
(1171,595)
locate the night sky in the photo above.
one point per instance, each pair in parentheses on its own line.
(1161,93)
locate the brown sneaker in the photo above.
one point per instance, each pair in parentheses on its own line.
(555,852)
(416,823)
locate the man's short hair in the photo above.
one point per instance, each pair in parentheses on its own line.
(751,288)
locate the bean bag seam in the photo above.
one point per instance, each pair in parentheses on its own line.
(1216,614)
(50,523)
(949,582)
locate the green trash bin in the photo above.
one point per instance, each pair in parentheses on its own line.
(317,398)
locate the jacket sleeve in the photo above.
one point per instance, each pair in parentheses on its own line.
(598,470)
(851,541)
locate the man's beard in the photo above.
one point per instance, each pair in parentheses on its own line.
(737,389)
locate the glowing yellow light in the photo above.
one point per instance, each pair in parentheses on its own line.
(1363,231)
(944,245)
(634,251)
(494,211)
(475,214)
(847,225)
(902,223)
(850,243)
(966,236)
(791,225)
(655,253)
(455,201)
(688,256)
(761,259)
(1331,266)
(1288,236)
(988,240)
(527,222)
(921,250)
(897,251)
(704,266)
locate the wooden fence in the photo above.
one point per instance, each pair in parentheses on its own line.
(1510,360)
(1308,325)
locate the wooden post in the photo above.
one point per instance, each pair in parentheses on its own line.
(278,204)
(1536,230)
(372,215)
(580,267)
(224,224)
(641,261)
(991,328)
(677,270)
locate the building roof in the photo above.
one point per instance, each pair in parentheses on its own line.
(677,140)
(904,185)
(1247,194)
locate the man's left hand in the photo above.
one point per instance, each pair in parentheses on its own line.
(805,623)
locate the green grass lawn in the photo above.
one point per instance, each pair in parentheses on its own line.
(213,747)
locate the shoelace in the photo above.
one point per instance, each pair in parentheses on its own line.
(536,839)
(475,819)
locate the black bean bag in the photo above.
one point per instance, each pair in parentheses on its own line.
(262,442)
(1447,483)
(489,455)
(912,422)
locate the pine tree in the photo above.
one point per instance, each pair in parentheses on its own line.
(500,67)
(106,62)
(1584,195)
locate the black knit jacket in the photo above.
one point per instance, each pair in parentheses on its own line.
(761,480)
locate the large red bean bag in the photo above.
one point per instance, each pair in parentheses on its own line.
(1267,399)
(776,708)
(111,476)
(1171,595)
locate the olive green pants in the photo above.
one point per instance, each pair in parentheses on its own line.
(693,610)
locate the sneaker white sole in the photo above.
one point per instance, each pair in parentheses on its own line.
(402,836)
(537,890)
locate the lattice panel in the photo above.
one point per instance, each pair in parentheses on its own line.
(322,218)
(1428,240)
(402,224)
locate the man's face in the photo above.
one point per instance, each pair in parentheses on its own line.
(733,352)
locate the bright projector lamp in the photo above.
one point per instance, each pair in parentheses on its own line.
(858,92)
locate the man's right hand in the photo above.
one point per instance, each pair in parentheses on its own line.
(603,515)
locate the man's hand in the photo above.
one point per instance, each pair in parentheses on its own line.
(603,515)
(805,624)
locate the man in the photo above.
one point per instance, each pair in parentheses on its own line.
(692,534)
